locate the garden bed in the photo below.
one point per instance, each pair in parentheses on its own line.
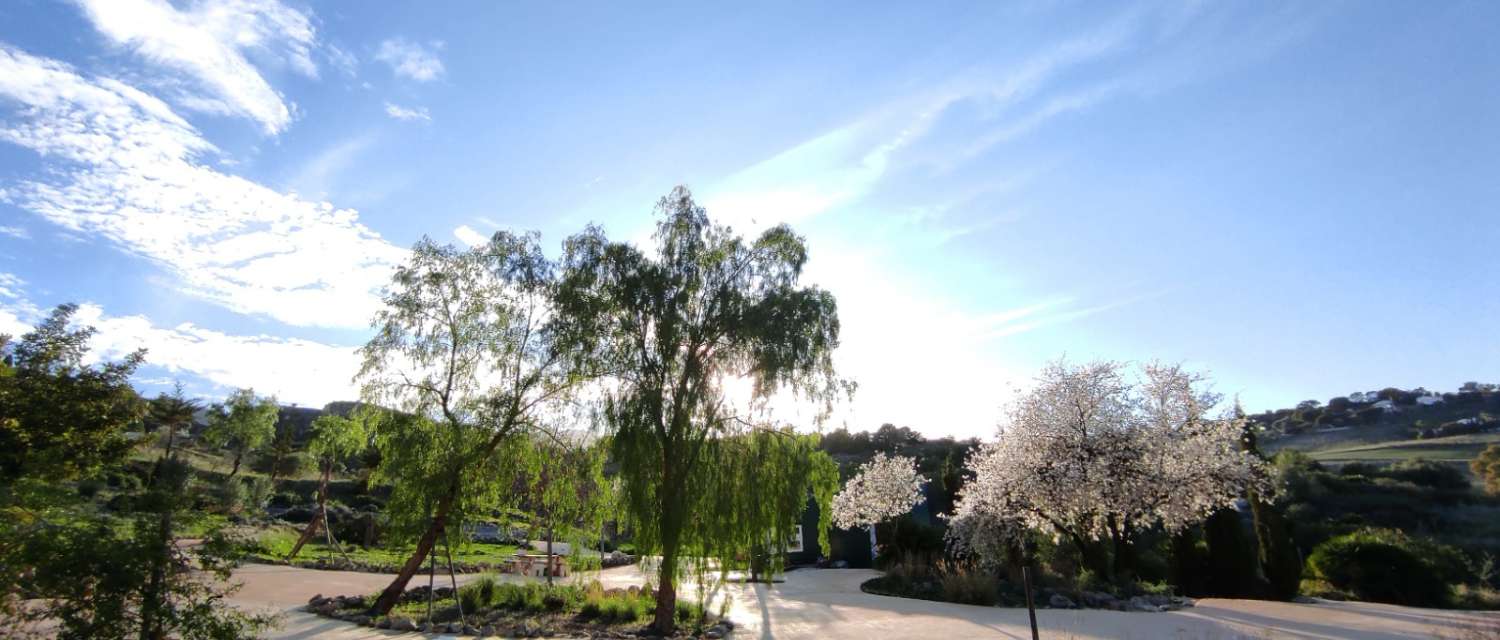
(535,610)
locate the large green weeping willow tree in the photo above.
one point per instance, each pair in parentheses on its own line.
(671,327)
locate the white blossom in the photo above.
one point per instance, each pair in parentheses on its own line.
(882,489)
(1088,454)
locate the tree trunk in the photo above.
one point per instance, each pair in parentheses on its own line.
(670,525)
(1124,554)
(1092,554)
(151,597)
(666,593)
(238,456)
(548,565)
(312,525)
(307,534)
(393,591)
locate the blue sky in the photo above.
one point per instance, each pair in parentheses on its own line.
(1298,198)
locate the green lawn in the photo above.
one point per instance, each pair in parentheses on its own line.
(274,544)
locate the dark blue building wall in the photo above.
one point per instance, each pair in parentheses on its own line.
(850,545)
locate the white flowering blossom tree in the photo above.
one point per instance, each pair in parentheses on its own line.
(1088,455)
(884,487)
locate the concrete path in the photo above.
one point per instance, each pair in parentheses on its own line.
(818,604)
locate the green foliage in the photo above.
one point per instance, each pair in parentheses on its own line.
(242,423)
(103,576)
(61,418)
(335,438)
(258,493)
(673,325)
(1420,472)
(751,496)
(465,349)
(1487,468)
(616,608)
(229,495)
(1385,565)
(564,484)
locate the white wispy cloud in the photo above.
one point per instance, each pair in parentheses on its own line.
(469,236)
(126,168)
(15,232)
(293,370)
(208,43)
(411,59)
(407,113)
(341,59)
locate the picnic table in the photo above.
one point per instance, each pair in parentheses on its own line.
(537,565)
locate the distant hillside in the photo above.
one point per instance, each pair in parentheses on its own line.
(1371,420)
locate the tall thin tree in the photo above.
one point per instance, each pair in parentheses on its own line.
(674,327)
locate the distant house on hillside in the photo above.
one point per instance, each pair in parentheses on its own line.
(1360,397)
(1388,406)
(1429,400)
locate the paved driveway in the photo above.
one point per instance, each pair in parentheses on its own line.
(819,604)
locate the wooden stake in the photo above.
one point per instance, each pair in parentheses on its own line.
(1030,606)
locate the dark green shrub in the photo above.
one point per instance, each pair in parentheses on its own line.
(1385,565)
(89,487)
(1230,562)
(1426,473)
(689,612)
(478,594)
(1280,561)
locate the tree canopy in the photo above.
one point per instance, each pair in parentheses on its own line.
(671,328)
(467,348)
(1087,454)
(243,423)
(60,417)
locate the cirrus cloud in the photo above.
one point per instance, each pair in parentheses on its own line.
(208,42)
(411,59)
(123,166)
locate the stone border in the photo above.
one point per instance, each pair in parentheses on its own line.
(1055,599)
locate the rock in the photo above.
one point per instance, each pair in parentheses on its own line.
(316,600)
(841,564)
(470,630)
(713,633)
(401,623)
(1138,603)
(1060,601)
(384,623)
(1097,600)
(1160,601)
(361,620)
(487,631)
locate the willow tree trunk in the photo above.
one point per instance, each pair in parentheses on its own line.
(670,534)
(392,593)
(238,457)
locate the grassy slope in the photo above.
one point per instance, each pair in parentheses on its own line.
(1453,449)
